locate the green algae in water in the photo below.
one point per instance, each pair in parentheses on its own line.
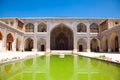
(40,64)
(55,68)
(8,68)
(62,69)
(0,73)
(28,63)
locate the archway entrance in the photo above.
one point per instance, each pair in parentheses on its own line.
(28,44)
(1,37)
(41,44)
(61,38)
(104,44)
(42,48)
(9,42)
(94,45)
(80,48)
(114,43)
(61,41)
(82,45)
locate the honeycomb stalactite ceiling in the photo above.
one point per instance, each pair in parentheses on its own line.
(61,38)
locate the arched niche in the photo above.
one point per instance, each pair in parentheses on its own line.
(94,45)
(82,45)
(41,44)
(9,42)
(81,27)
(28,44)
(94,28)
(42,27)
(29,27)
(104,44)
(61,38)
(114,42)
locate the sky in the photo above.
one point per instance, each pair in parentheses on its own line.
(60,8)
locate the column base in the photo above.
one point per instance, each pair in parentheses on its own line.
(109,50)
(48,50)
(3,49)
(101,50)
(74,51)
(14,49)
(88,50)
(34,50)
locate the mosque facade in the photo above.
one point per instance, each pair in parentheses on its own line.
(47,34)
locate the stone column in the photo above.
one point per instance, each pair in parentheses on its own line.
(88,37)
(101,50)
(35,37)
(119,41)
(1,45)
(119,48)
(48,38)
(14,42)
(99,43)
(109,46)
(75,44)
(109,50)
(75,38)
(35,27)
(22,43)
(88,28)
(88,44)
(35,44)
(4,39)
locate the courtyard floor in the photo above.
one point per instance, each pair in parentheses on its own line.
(11,56)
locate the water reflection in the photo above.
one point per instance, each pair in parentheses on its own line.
(56,68)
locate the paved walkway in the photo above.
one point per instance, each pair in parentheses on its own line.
(6,56)
(114,57)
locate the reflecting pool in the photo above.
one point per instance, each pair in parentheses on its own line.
(71,67)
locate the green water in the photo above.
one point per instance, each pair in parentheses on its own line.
(55,68)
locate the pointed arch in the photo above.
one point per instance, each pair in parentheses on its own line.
(9,41)
(104,43)
(1,40)
(29,27)
(82,45)
(94,45)
(114,42)
(1,35)
(81,27)
(29,44)
(42,27)
(41,44)
(61,37)
(94,28)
